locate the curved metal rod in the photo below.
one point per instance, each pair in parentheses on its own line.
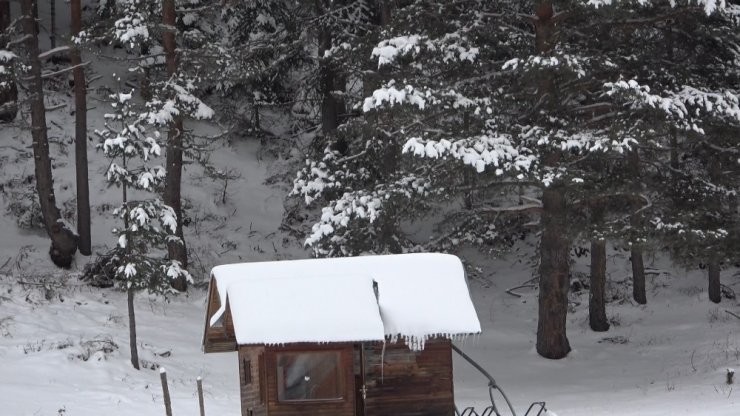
(491,381)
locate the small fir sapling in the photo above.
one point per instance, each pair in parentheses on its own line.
(147,224)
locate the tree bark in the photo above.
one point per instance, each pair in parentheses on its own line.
(4,15)
(596,300)
(638,276)
(552,341)
(638,266)
(332,107)
(714,269)
(80,93)
(53,23)
(63,240)
(329,103)
(132,330)
(8,93)
(715,290)
(172,192)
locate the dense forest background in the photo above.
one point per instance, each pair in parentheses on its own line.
(393,126)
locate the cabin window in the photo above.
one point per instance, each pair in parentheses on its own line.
(307,376)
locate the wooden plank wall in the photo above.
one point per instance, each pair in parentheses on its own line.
(401,382)
(219,338)
(252,395)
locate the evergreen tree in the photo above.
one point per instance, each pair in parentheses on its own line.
(147,225)
(531,98)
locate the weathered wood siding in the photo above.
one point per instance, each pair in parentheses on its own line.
(250,383)
(402,382)
(218,338)
(343,407)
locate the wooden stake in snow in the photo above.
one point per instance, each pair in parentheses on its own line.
(200,396)
(730,376)
(165,391)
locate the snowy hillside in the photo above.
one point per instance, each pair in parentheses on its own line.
(63,350)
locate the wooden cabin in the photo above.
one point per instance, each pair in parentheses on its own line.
(362,336)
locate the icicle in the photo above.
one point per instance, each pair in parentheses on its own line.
(382,363)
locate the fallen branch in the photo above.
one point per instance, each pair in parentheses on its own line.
(54,51)
(56,107)
(6,263)
(62,71)
(733,314)
(511,291)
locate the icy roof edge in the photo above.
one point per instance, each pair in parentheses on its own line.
(442,309)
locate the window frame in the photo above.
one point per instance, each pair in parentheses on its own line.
(339,375)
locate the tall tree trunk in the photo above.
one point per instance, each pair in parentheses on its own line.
(552,341)
(63,240)
(596,299)
(132,330)
(4,15)
(53,23)
(639,293)
(715,289)
(8,86)
(714,268)
(35,17)
(332,107)
(80,91)
(172,191)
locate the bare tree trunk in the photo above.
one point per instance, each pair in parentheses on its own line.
(172,191)
(80,91)
(63,240)
(332,107)
(35,17)
(132,330)
(552,341)
(715,290)
(53,23)
(5,17)
(639,292)
(8,86)
(714,269)
(329,104)
(596,299)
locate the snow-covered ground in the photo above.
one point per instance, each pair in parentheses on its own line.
(64,350)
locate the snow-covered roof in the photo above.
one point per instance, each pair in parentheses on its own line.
(367,298)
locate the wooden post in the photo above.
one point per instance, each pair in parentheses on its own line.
(730,376)
(165,391)
(200,396)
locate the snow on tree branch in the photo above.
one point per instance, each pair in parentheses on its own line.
(390,95)
(480,152)
(710,6)
(452,46)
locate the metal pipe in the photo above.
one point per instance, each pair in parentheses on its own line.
(491,381)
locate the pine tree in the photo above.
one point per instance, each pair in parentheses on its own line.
(147,225)
(530,98)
